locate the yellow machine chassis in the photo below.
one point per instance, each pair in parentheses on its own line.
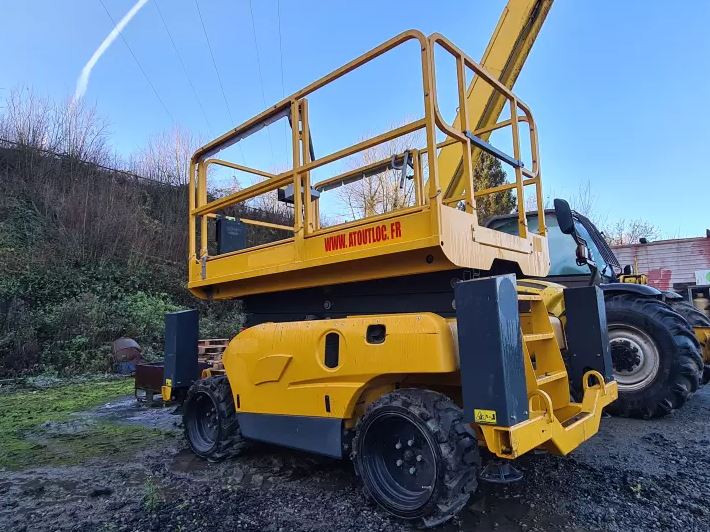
(439,232)
(279,369)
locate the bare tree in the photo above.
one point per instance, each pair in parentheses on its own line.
(380,193)
(71,129)
(584,201)
(623,231)
(531,202)
(630,231)
(27,120)
(166,157)
(81,133)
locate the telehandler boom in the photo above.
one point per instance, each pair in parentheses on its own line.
(504,57)
(401,339)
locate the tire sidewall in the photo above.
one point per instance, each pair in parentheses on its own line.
(662,337)
(189,407)
(367,422)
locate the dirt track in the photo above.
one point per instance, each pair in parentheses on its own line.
(634,475)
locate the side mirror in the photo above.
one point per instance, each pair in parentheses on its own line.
(627,269)
(582,253)
(564,217)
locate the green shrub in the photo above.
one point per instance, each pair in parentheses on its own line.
(63,321)
(222,319)
(76,334)
(141,316)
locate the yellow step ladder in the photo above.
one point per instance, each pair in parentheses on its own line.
(556,423)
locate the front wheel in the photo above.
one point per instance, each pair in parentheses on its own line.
(210,419)
(657,363)
(416,457)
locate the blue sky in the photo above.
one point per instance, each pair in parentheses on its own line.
(617,87)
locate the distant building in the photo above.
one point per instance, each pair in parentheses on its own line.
(669,264)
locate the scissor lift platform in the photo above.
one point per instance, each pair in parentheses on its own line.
(438,231)
(380,321)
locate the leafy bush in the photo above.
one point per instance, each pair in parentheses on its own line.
(142,316)
(221,319)
(76,333)
(63,321)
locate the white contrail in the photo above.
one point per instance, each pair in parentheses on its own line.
(83,81)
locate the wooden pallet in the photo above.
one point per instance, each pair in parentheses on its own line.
(211,348)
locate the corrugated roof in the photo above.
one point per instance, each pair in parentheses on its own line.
(656,242)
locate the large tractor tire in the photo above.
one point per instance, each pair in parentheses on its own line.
(416,457)
(657,363)
(210,420)
(696,319)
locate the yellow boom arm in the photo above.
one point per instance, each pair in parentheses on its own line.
(505,55)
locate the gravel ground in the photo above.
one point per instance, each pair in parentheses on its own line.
(635,475)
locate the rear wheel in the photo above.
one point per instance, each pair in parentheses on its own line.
(696,319)
(210,419)
(655,355)
(416,457)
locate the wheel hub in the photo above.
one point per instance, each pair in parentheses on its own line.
(635,356)
(625,355)
(408,456)
(203,424)
(400,462)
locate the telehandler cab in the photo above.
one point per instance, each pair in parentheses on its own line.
(401,340)
(654,349)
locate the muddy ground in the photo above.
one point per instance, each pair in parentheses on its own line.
(635,475)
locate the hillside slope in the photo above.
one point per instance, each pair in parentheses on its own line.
(88,254)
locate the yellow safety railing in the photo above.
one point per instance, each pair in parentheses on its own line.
(427,194)
(523,176)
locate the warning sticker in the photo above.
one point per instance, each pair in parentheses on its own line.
(363,237)
(484,416)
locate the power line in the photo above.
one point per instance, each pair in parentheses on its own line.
(281,53)
(140,67)
(214,63)
(219,78)
(182,63)
(261,78)
(281,62)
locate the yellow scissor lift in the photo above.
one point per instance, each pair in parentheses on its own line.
(382,337)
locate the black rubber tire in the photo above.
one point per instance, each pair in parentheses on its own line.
(452,442)
(696,319)
(226,439)
(680,363)
(691,314)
